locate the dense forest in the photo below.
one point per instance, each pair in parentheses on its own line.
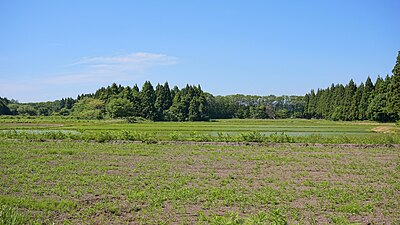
(161,103)
(379,101)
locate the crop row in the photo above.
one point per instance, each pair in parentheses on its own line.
(153,137)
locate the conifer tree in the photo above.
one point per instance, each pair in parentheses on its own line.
(312,104)
(167,98)
(306,104)
(394,91)
(134,98)
(355,103)
(176,111)
(193,114)
(377,109)
(365,99)
(163,100)
(337,107)
(147,99)
(350,90)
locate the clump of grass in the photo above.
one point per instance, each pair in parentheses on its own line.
(224,137)
(8,216)
(175,136)
(194,136)
(230,218)
(276,217)
(144,137)
(252,137)
(280,138)
(103,137)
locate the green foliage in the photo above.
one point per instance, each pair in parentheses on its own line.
(280,138)
(119,108)
(378,102)
(88,108)
(163,101)
(175,136)
(8,216)
(89,182)
(26,110)
(365,100)
(230,218)
(262,131)
(377,108)
(4,110)
(147,100)
(252,137)
(394,91)
(275,217)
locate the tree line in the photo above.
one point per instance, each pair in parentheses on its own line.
(162,103)
(158,104)
(378,101)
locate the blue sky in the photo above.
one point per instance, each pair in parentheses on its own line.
(54,49)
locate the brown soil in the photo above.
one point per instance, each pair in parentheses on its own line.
(383,129)
(241,144)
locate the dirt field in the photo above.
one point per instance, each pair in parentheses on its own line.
(185,183)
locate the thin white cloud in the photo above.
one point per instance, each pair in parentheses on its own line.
(137,59)
(112,68)
(85,74)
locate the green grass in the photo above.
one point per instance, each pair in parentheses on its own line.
(114,172)
(275,131)
(107,183)
(8,216)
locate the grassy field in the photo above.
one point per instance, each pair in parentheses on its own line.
(290,130)
(105,183)
(68,171)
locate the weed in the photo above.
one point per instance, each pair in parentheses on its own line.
(8,216)
(252,137)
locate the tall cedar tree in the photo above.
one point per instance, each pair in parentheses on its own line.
(148,99)
(377,109)
(365,100)
(163,100)
(394,91)
(350,90)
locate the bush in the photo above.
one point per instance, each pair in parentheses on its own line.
(131,119)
